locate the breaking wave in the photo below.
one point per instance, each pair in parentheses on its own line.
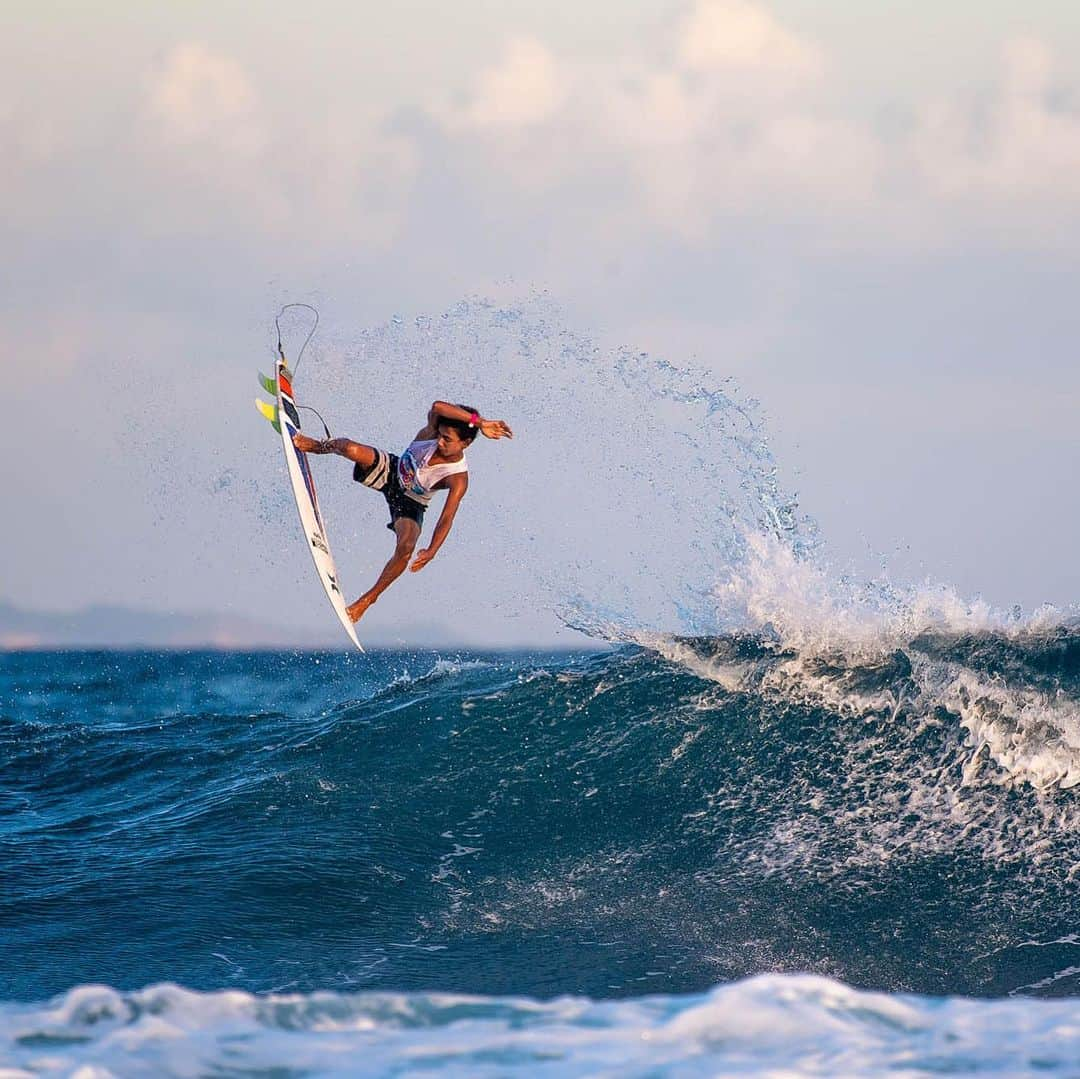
(902,817)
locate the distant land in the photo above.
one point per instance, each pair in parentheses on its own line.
(126,627)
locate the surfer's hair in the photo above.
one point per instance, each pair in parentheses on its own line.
(464,431)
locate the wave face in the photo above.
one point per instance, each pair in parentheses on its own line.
(642,821)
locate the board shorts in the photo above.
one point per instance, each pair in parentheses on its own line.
(383,477)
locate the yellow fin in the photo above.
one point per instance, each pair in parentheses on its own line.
(270,412)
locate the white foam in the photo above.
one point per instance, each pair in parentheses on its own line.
(1030,736)
(925,743)
(729,675)
(441,668)
(778,1025)
(813,609)
(804,615)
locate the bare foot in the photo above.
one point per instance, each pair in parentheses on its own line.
(305,444)
(356,610)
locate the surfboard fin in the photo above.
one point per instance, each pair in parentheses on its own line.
(270,412)
(268,384)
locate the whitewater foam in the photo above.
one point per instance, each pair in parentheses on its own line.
(778,590)
(775,1025)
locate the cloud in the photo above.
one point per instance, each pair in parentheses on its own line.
(737,36)
(1020,147)
(220,149)
(716,117)
(727,118)
(523,88)
(732,116)
(197,95)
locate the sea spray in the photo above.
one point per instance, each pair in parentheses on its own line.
(631,482)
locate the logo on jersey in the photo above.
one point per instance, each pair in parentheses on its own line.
(407,474)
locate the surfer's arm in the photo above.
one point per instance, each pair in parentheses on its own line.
(457,486)
(439,410)
(443,410)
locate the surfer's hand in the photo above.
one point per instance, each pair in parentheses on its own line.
(495,429)
(305,444)
(422,559)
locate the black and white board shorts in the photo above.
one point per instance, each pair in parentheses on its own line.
(383,477)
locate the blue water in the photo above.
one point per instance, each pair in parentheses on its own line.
(703,856)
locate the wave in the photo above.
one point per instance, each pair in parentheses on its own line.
(793,1025)
(612,824)
(1021,726)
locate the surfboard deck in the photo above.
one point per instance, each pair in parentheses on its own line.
(285,419)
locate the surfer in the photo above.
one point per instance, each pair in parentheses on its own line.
(434,461)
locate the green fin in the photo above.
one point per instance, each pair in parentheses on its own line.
(268,384)
(270,412)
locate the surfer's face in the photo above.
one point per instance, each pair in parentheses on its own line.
(450,442)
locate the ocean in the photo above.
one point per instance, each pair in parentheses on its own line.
(737,854)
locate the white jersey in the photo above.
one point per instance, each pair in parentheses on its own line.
(418,478)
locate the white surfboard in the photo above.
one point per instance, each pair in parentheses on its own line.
(286,421)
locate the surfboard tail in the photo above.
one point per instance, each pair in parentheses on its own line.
(270,413)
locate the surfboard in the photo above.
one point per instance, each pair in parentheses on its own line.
(285,419)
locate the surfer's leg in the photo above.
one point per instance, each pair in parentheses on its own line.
(357,452)
(407,532)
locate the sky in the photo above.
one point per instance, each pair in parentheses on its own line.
(868,216)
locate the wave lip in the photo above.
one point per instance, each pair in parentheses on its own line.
(795,1025)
